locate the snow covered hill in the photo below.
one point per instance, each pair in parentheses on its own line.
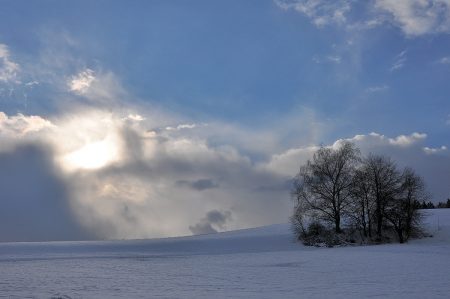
(254,263)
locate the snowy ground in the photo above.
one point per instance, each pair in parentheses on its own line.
(255,263)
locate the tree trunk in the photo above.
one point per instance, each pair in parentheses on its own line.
(363,220)
(400,235)
(379,221)
(337,223)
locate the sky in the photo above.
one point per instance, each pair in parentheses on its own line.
(140,119)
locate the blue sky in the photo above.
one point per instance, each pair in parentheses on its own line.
(257,81)
(249,62)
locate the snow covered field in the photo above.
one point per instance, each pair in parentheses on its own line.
(255,263)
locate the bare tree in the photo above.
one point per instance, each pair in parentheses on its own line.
(371,192)
(362,207)
(323,185)
(402,212)
(384,180)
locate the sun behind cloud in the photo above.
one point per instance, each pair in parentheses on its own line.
(93,155)
(88,140)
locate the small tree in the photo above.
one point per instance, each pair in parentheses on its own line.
(441,205)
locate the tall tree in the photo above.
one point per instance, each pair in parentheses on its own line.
(384,179)
(362,202)
(402,212)
(323,185)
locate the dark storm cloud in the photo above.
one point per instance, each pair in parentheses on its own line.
(212,219)
(200,185)
(34,200)
(202,228)
(217,217)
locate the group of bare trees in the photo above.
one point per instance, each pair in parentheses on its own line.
(345,191)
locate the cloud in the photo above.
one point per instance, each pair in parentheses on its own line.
(376,89)
(93,155)
(407,140)
(8,69)
(334,59)
(444,60)
(123,182)
(97,87)
(399,62)
(213,221)
(19,125)
(329,58)
(184,126)
(406,150)
(120,181)
(105,89)
(418,17)
(288,163)
(123,171)
(135,117)
(35,203)
(81,82)
(414,17)
(60,73)
(432,151)
(200,185)
(320,12)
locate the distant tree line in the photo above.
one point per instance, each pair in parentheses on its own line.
(341,196)
(439,205)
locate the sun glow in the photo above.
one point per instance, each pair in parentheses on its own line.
(93,155)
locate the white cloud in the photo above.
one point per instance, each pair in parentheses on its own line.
(183,126)
(32,83)
(334,59)
(399,62)
(444,60)
(413,17)
(430,150)
(20,125)
(371,23)
(93,155)
(81,82)
(99,88)
(320,12)
(380,88)
(407,150)
(124,182)
(141,197)
(418,17)
(8,68)
(288,162)
(135,117)
(406,140)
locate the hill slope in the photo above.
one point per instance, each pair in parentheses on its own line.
(254,263)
